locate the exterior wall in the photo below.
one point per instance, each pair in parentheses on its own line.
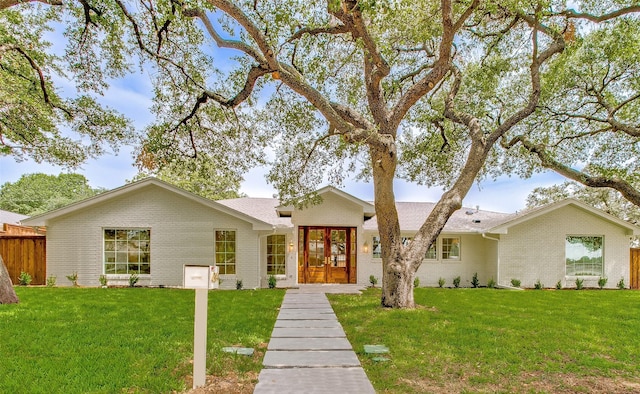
(182,232)
(289,278)
(536,249)
(476,255)
(333,211)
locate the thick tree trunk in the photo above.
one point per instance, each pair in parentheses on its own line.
(397,274)
(7,293)
(397,289)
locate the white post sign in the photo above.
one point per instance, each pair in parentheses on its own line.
(199,278)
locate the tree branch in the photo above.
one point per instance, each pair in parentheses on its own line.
(571,13)
(10,3)
(332,30)
(441,66)
(32,63)
(547,161)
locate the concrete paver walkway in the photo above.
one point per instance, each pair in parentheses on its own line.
(308,351)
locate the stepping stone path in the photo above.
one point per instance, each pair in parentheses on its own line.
(309,351)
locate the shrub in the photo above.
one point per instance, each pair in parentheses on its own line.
(133,279)
(559,285)
(579,284)
(602,282)
(441,282)
(238,284)
(373,280)
(272,281)
(456,282)
(103,280)
(416,282)
(491,283)
(538,285)
(621,284)
(73,278)
(515,282)
(474,281)
(51,281)
(24,279)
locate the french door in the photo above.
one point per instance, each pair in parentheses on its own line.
(327,254)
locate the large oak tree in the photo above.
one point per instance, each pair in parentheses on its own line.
(437,92)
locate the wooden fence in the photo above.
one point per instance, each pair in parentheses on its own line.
(635,269)
(25,253)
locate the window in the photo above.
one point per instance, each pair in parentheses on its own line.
(451,248)
(276,247)
(127,251)
(225,245)
(584,255)
(432,253)
(377,250)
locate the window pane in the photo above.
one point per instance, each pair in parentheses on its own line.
(127,248)
(225,251)
(584,255)
(276,254)
(431,252)
(376,248)
(451,248)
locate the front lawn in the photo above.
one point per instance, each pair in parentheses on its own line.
(78,340)
(486,340)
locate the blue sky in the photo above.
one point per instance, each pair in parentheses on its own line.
(132,97)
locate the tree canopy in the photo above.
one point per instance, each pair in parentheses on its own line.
(605,199)
(440,93)
(37,119)
(33,194)
(199,175)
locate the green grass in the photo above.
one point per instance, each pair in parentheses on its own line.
(125,340)
(484,340)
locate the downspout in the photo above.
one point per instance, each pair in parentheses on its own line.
(484,235)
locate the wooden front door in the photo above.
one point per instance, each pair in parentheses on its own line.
(327,255)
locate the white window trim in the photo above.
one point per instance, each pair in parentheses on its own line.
(450,260)
(425,259)
(573,277)
(215,262)
(103,262)
(286,253)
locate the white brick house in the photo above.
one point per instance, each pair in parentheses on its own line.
(153,229)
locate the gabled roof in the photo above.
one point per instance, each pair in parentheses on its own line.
(367,208)
(11,217)
(41,220)
(465,220)
(524,216)
(263,209)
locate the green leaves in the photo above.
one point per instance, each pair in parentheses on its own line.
(38,193)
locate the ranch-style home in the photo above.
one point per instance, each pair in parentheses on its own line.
(154,229)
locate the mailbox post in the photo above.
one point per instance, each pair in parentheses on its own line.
(199,278)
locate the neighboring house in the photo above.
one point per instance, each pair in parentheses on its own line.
(153,229)
(10,218)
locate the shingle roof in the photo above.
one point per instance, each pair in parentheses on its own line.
(465,220)
(263,209)
(411,214)
(11,217)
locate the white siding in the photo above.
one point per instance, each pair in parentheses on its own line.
(535,249)
(477,255)
(182,232)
